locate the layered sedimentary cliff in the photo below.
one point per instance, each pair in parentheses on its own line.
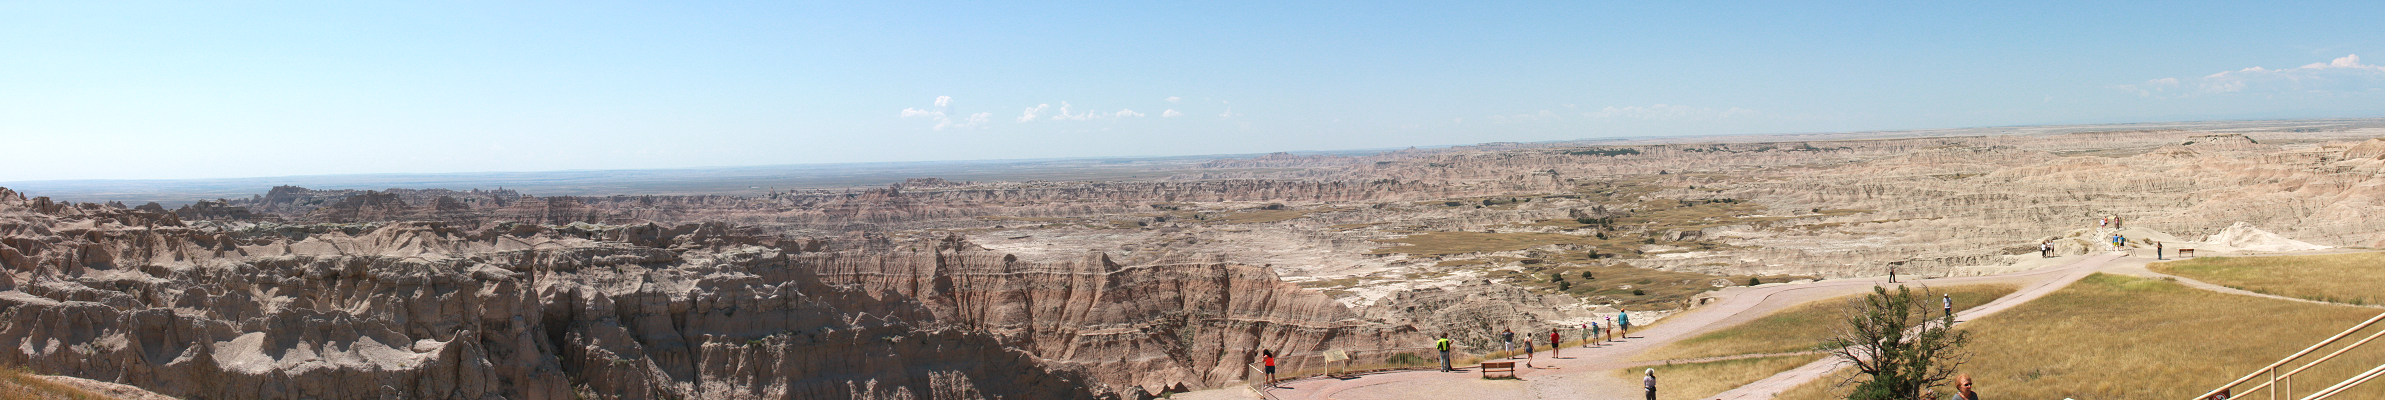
(430,310)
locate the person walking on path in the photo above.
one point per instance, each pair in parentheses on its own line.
(1508,337)
(1527,352)
(1587,331)
(1597,332)
(1962,388)
(2157,249)
(1949,304)
(1270,355)
(2045,249)
(1443,345)
(1649,382)
(1609,330)
(1556,345)
(1623,321)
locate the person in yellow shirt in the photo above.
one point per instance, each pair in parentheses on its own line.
(1443,345)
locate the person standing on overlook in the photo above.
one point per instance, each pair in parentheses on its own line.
(1270,355)
(1443,345)
(1649,383)
(1508,338)
(1556,345)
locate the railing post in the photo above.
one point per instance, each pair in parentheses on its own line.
(2272,382)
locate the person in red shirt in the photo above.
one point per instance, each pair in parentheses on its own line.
(1270,355)
(1556,345)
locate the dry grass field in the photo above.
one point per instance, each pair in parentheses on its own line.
(2341,278)
(1800,327)
(2120,337)
(1698,380)
(19,384)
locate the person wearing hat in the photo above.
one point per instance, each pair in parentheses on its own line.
(1649,382)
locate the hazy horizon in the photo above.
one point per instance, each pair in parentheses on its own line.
(195,91)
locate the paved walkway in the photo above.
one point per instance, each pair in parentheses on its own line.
(1589,373)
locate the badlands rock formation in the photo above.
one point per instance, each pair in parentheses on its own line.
(428,310)
(1037,289)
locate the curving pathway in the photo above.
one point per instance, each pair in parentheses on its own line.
(1588,373)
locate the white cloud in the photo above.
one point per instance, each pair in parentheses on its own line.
(1229,110)
(1064,115)
(945,121)
(1032,112)
(1172,99)
(914,112)
(2344,74)
(1125,113)
(1170,113)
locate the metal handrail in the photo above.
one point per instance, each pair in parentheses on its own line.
(1255,386)
(2347,384)
(2272,368)
(2314,363)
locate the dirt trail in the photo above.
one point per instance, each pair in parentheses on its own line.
(1588,373)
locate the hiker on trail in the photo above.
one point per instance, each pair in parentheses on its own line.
(1892,274)
(1443,345)
(2157,249)
(1962,388)
(1587,334)
(1650,383)
(1527,352)
(1509,338)
(1949,304)
(1623,320)
(1556,345)
(1270,355)
(2103,222)
(2115,222)
(2045,249)
(1596,332)
(1609,331)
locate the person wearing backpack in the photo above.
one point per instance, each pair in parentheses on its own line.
(1443,345)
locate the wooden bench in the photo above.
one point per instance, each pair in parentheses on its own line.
(2186,253)
(1508,366)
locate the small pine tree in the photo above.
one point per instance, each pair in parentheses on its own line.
(1637,292)
(1557,276)
(1563,285)
(1586,276)
(1891,338)
(1752,281)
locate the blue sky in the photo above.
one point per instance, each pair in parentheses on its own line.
(164,90)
